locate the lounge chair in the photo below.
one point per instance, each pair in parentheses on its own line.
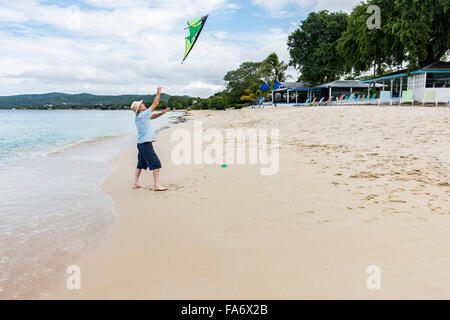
(351,99)
(321,101)
(313,102)
(430,97)
(348,99)
(372,99)
(302,104)
(330,99)
(385,97)
(362,100)
(339,100)
(407,97)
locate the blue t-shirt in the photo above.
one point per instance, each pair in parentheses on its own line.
(144,127)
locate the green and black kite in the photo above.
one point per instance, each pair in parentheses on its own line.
(195,28)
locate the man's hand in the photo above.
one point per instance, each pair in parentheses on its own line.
(159,90)
(166,110)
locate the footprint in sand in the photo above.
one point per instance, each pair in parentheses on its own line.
(398,201)
(306,212)
(371,196)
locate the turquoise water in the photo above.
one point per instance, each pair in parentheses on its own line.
(52,209)
(29,134)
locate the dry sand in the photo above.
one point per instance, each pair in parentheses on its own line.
(357,186)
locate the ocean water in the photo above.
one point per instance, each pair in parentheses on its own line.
(52,209)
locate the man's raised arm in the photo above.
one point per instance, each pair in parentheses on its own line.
(157,99)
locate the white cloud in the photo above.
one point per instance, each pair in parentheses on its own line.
(275,7)
(128,46)
(11,15)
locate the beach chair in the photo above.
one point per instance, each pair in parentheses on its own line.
(374,96)
(321,101)
(330,99)
(350,99)
(339,100)
(385,96)
(313,102)
(345,100)
(302,104)
(430,97)
(407,97)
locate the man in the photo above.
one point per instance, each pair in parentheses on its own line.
(147,157)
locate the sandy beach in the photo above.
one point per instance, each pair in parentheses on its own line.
(357,186)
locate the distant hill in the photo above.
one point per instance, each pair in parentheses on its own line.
(62,99)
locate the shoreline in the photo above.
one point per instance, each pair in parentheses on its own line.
(75,145)
(310,232)
(89,165)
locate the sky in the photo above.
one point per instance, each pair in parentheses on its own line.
(133,46)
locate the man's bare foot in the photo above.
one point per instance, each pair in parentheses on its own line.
(138,186)
(160,188)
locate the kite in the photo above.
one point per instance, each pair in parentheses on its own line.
(195,28)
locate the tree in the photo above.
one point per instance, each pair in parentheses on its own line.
(312,47)
(273,69)
(180,102)
(412,32)
(253,94)
(242,78)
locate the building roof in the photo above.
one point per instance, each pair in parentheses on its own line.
(435,67)
(343,84)
(295,86)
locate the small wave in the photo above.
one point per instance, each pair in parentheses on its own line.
(79,143)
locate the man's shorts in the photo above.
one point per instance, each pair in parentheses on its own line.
(147,157)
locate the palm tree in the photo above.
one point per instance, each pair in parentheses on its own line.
(253,94)
(274,69)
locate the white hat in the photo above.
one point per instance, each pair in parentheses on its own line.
(136,105)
